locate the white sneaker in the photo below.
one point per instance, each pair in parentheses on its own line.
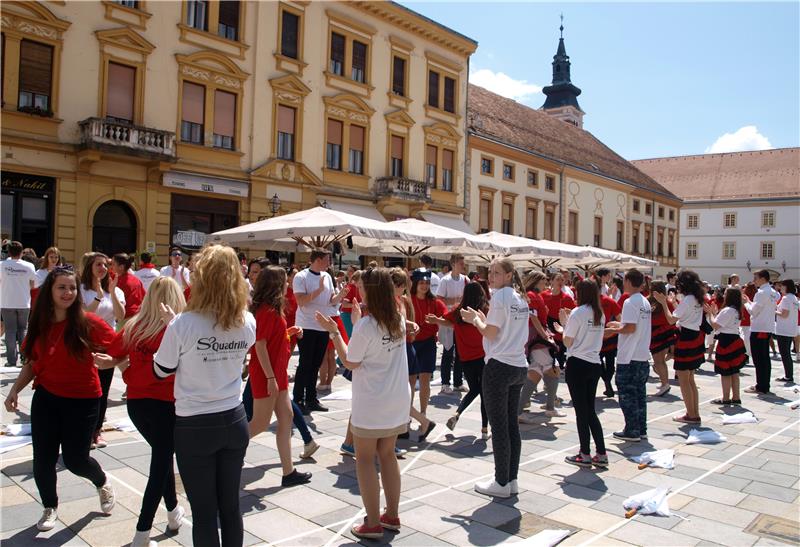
(309,449)
(485,435)
(48,520)
(492,488)
(526,418)
(462,388)
(446,389)
(142,539)
(175,518)
(106,493)
(514,487)
(554,413)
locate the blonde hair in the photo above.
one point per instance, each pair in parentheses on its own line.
(147,323)
(400,279)
(516,281)
(218,286)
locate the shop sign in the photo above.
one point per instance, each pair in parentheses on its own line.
(210,185)
(20,181)
(189,238)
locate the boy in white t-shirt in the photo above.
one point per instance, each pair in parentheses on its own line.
(633,357)
(450,290)
(17,278)
(786,327)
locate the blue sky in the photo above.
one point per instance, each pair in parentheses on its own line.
(658,79)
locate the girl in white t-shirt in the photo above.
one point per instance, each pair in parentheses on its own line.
(583,337)
(505,333)
(786,327)
(730,353)
(376,353)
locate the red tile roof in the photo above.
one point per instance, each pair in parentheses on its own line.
(509,122)
(736,175)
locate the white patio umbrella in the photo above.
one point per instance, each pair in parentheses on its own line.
(520,249)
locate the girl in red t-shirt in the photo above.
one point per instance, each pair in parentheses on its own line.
(663,336)
(57,356)
(269,364)
(129,284)
(150,402)
(425,342)
(555,299)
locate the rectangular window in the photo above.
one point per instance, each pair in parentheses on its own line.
(134,4)
(692,221)
(228,26)
(120,92)
(728,250)
(290,34)
(636,206)
(660,243)
(433,89)
(660,212)
(193,113)
(507,220)
(337,54)
(550,183)
(447,170)
(333,153)
(533,179)
(598,232)
(430,165)
(399,76)
(359,66)
(572,232)
(671,246)
(224,119)
(729,220)
(767,250)
(648,208)
(672,215)
(398,143)
(485,221)
(648,247)
(356,149)
(635,240)
(620,235)
(767,219)
(549,225)
(35,75)
(486,166)
(449,95)
(285,144)
(508,172)
(197,14)
(530,222)
(691,250)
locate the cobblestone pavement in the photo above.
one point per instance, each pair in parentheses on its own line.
(740,492)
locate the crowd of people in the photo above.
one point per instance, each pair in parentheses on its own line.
(187,336)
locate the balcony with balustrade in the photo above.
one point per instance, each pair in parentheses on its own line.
(122,137)
(402,188)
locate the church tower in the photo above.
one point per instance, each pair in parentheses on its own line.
(562,96)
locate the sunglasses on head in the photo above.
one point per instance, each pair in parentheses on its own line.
(65,269)
(175,254)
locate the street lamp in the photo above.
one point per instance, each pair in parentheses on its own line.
(275,204)
(748,264)
(783,265)
(324,204)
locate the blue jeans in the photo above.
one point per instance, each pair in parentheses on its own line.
(297,418)
(15,321)
(632,392)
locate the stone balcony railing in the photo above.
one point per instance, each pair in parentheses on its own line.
(126,138)
(403,188)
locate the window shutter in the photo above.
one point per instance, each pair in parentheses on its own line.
(447,159)
(449,94)
(356,138)
(120,93)
(337,47)
(286,119)
(193,106)
(360,56)
(335,132)
(399,75)
(35,67)
(433,89)
(289,35)
(397,147)
(224,113)
(430,154)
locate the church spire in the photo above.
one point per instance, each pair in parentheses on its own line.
(562,96)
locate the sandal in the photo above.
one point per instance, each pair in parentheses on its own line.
(720,402)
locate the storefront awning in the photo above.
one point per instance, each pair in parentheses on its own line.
(365,209)
(448,221)
(211,185)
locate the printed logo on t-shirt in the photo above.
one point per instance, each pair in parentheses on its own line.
(645,312)
(219,351)
(519,312)
(387,340)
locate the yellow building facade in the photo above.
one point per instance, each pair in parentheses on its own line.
(137,125)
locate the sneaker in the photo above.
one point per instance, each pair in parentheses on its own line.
(526,418)
(295,478)
(492,488)
(446,389)
(390,523)
(786,380)
(48,520)
(555,413)
(142,539)
(106,493)
(364,531)
(99,441)
(315,406)
(462,388)
(175,518)
(720,402)
(514,487)
(424,434)
(623,436)
(663,390)
(527,405)
(485,435)
(451,422)
(347,450)
(609,392)
(579,459)
(308,450)
(600,461)
(400,453)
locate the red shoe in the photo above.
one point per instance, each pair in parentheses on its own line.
(364,531)
(390,523)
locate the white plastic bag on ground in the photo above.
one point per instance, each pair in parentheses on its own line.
(705,436)
(17,430)
(651,502)
(740,418)
(658,458)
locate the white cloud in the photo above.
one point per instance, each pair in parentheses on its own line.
(745,139)
(505,85)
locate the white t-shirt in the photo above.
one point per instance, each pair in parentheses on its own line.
(41,275)
(635,346)
(689,312)
(105,309)
(728,321)
(435,280)
(176,273)
(148,275)
(566,290)
(509,312)
(787,326)
(586,334)
(207,362)
(450,287)
(381,393)
(306,282)
(15,283)
(762,310)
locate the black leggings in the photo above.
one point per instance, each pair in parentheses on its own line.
(106,376)
(607,360)
(155,420)
(313,346)
(582,377)
(785,348)
(500,391)
(473,370)
(69,423)
(210,449)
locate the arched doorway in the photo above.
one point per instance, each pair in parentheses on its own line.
(114,229)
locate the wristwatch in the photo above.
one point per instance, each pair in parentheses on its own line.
(333,335)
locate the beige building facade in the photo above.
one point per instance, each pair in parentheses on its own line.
(137,125)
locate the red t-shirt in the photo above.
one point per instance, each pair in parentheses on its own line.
(555,302)
(610,307)
(291,307)
(271,327)
(352,295)
(745,317)
(59,372)
(659,319)
(623,298)
(469,340)
(536,303)
(133,290)
(187,293)
(423,307)
(139,376)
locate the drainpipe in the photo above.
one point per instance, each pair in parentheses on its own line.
(466,151)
